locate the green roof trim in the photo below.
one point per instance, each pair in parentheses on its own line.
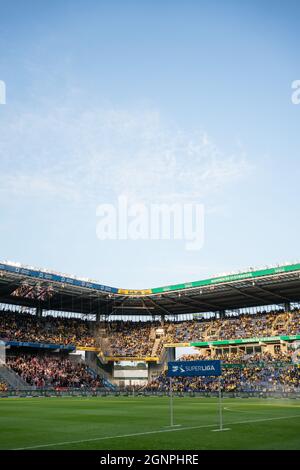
(229,278)
(234,342)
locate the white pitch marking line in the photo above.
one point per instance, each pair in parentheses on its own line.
(243,411)
(154,432)
(239,411)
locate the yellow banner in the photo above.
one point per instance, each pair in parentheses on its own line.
(87,348)
(134,291)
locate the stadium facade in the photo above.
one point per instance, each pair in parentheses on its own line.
(206,315)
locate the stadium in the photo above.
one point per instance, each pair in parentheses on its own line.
(84,365)
(149,232)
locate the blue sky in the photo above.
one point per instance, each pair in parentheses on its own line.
(158,100)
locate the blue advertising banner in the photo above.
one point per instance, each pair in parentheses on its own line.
(38,345)
(56,278)
(194,368)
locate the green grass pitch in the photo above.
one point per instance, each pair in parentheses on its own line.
(142,423)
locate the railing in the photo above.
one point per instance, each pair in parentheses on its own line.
(12,378)
(102,392)
(37,393)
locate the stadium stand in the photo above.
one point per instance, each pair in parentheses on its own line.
(131,338)
(266,370)
(137,338)
(245,326)
(17,326)
(242,372)
(49,372)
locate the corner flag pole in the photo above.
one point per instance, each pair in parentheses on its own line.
(220,405)
(171,404)
(221,428)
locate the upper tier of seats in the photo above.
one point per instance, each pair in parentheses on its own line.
(244,326)
(124,338)
(24,327)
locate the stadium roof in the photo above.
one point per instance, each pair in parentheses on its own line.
(51,291)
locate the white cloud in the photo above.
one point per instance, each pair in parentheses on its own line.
(93,156)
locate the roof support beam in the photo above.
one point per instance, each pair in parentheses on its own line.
(159,307)
(250,296)
(195,303)
(279,296)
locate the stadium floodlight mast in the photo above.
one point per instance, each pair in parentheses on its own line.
(195,369)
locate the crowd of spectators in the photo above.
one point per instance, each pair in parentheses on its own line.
(131,338)
(53,372)
(243,326)
(24,327)
(134,338)
(259,372)
(128,338)
(241,357)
